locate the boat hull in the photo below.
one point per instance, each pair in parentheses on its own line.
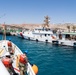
(67,43)
(4,51)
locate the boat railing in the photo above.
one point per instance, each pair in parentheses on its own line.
(30,71)
(16,48)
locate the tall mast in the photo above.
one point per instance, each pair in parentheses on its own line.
(46,22)
(4,31)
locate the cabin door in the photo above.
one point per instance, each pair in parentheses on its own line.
(60,36)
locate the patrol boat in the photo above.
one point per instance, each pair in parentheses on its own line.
(13,61)
(43,33)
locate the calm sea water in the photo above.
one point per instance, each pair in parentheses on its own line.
(50,59)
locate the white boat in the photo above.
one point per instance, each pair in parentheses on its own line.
(12,60)
(39,34)
(67,38)
(10,56)
(20,34)
(44,33)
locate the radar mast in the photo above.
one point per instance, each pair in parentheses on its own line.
(46,22)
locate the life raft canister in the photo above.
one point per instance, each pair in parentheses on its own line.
(9,44)
(7,62)
(23,59)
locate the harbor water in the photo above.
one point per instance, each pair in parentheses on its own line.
(50,59)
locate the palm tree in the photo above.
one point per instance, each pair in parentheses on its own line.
(68,28)
(74,28)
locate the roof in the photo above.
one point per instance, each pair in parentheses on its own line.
(70,33)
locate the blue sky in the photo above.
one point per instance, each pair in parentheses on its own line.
(33,11)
